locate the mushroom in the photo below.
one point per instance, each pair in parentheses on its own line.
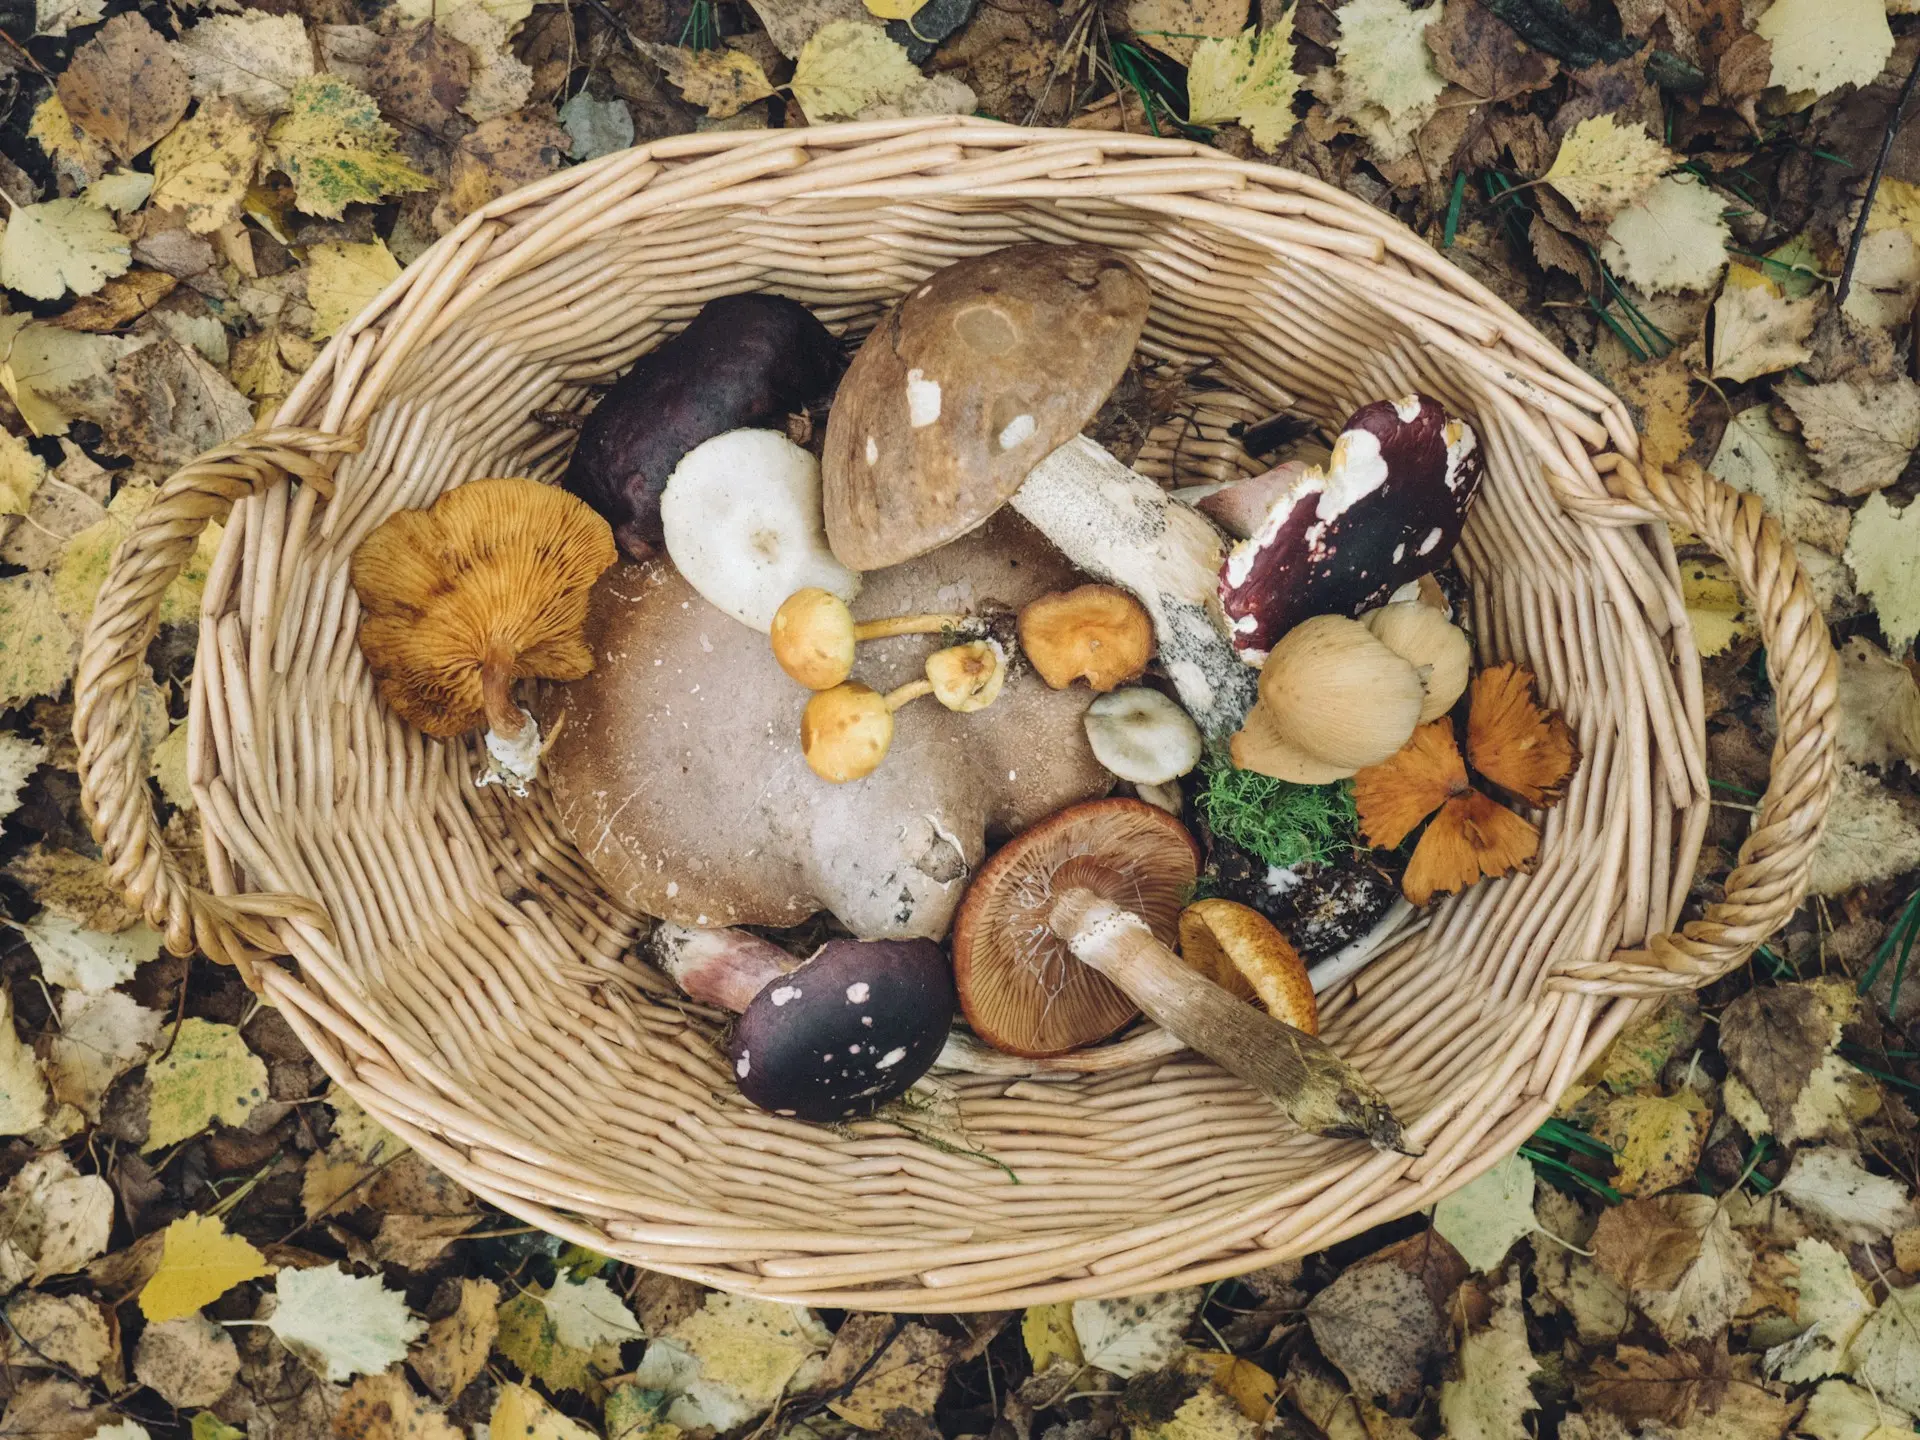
(971,394)
(1142,736)
(744,360)
(814,635)
(741,516)
(1419,634)
(486,586)
(706,812)
(1238,949)
(1333,700)
(1388,505)
(1067,930)
(829,1038)
(1093,633)
(845,732)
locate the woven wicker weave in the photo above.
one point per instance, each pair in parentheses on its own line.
(454,966)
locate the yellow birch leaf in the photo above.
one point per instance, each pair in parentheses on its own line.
(894,9)
(204,167)
(65,141)
(1048,1331)
(1884,554)
(208,1075)
(47,250)
(1603,166)
(1250,80)
(723,81)
(1714,605)
(1658,1139)
(342,278)
(1820,45)
(1242,1381)
(21,472)
(521,1412)
(199,1262)
(37,647)
(336,149)
(848,66)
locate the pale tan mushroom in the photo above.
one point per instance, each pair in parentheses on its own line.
(706,813)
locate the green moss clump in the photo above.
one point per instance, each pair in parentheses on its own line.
(1281,823)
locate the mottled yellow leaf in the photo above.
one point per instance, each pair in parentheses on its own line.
(1604,166)
(207,1076)
(204,167)
(342,278)
(848,66)
(723,81)
(336,149)
(199,1262)
(1048,1331)
(1884,554)
(1250,80)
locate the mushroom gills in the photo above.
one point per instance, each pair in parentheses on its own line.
(1318,1090)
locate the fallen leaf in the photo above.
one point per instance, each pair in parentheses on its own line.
(60,246)
(455,1348)
(1830,1311)
(596,127)
(208,1076)
(189,1361)
(848,66)
(1252,1389)
(1886,279)
(75,154)
(336,149)
(341,1325)
(343,278)
(122,192)
(383,1407)
(1776,1036)
(568,1337)
(1387,83)
(1657,1139)
(84,560)
(1715,604)
(21,472)
(1861,431)
(730,1360)
(1208,1414)
(520,1411)
(1484,1217)
(65,1331)
(1681,1261)
(1248,79)
(1131,1336)
(1757,330)
(1820,45)
(499,156)
(51,372)
(1872,834)
(19,758)
(904,1371)
(118,303)
(1672,238)
(1883,552)
(88,960)
(1757,456)
(199,1262)
(1178,27)
(1837,1194)
(415,1242)
(1491,1397)
(1885,1356)
(1602,166)
(1377,1323)
(170,405)
(53,1219)
(1840,1411)
(204,167)
(37,649)
(1049,1335)
(1879,707)
(252,58)
(56,17)
(1638,1384)
(124,87)
(723,82)
(791,23)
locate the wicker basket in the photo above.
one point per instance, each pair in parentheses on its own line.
(456,968)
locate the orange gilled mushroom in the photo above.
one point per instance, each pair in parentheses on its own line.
(486,586)
(1244,953)
(1067,932)
(1095,633)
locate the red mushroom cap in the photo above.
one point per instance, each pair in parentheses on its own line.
(1387,508)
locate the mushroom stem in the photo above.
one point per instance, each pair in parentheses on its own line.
(1318,1090)
(1121,527)
(504,717)
(725,968)
(907,625)
(910,691)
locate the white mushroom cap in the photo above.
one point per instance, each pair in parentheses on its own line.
(1142,736)
(743,524)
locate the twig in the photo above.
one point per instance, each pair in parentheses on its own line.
(1873,183)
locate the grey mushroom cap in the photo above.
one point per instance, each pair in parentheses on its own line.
(846,1032)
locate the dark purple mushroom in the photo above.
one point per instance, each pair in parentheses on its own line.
(744,362)
(829,1038)
(1387,507)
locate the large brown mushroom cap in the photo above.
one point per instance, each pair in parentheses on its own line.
(486,586)
(1021,987)
(965,386)
(679,773)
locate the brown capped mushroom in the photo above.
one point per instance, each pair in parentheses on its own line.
(486,586)
(1094,633)
(972,393)
(1097,888)
(1333,700)
(706,812)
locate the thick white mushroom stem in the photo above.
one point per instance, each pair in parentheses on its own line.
(1318,1090)
(513,735)
(723,968)
(1119,526)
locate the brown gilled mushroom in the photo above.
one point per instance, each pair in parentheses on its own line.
(486,586)
(1097,888)
(971,394)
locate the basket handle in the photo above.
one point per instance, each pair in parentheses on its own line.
(1770,879)
(234,930)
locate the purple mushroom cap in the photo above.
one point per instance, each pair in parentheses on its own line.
(1388,507)
(847,1031)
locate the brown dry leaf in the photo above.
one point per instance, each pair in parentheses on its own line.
(1479,52)
(66,1332)
(455,1348)
(499,156)
(75,886)
(190,1361)
(413,1242)
(906,1371)
(1879,707)
(1638,1384)
(1660,392)
(1774,1038)
(1176,27)
(384,1407)
(1906,1249)
(124,87)
(1757,330)
(171,405)
(723,82)
(53,1409)
(1378,1324)
(1861,431)
(1681,1261)
(421,77)
(120,302)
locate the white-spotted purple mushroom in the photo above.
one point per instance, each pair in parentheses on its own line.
(1387,507)
(832,1037)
